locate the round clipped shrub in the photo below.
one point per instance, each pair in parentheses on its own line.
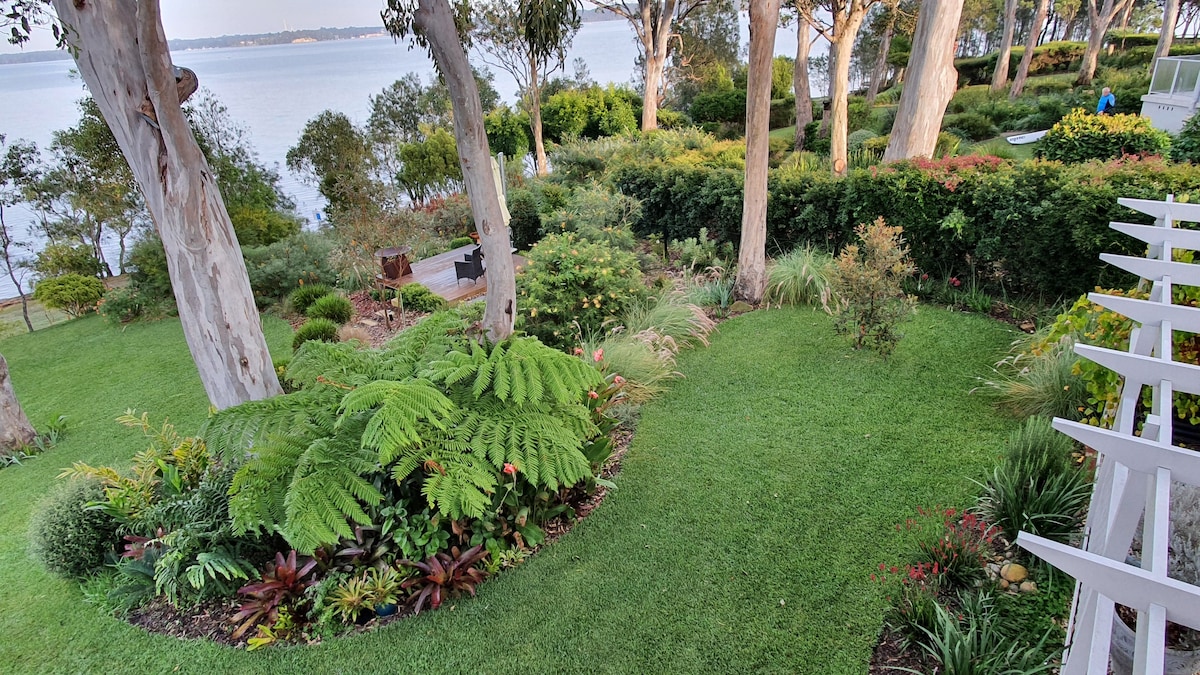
(332,306)
(855,140)
(315,329)
(1081,136)
(66,536)
(459,242)
(75,294)
(302,298)
(570,285)
(970,125)
(418,298)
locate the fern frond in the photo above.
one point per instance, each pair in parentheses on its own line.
(256,497)
(338,362)
(535,438)
(231,432)
(462,488)
(210,565)
(403,409)
(520,370)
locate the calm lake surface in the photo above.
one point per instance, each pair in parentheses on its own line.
(274,90)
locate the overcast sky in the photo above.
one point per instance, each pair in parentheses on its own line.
(211,18)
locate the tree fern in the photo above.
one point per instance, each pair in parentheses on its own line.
(230,433)
(403,408)
(339,363)
(534,438)
(519,371)
(459,484)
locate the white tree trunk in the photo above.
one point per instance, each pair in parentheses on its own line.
(15,429)
(535,119)
(1035,32)
(752,255)
(840,50)
(879,72)
(1000,76)
(1167,36)
(931,81)
(654,76)
(800,79)
(123,58)
(435,20)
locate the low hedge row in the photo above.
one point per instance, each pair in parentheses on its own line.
(1034,227)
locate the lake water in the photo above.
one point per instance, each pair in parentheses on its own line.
(274,90)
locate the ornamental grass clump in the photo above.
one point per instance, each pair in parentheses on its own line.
(800,277)
(868,301)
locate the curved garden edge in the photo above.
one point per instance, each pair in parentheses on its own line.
(750,482)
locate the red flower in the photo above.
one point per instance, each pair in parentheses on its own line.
(593,395)
(955,282)
(924,277)
(579,351)
(510,469)
(598,355)
(618,380)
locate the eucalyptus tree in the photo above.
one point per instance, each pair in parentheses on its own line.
(337,157)
(442,29)
(708,51)
(1041,8)
(929,83)
(15,430)
(528,40)
(121,52)
(845,18)
(800,81)
(653,21)
(752,274)
(1000,75)
(1100,16)
(1166,36)
(16,163)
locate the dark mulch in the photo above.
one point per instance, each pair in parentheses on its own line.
(890,656)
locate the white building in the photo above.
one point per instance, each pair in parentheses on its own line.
(1174,92)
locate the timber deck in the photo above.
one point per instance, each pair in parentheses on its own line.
(437,274)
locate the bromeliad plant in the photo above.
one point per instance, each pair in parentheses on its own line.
(282,586)
(433,404)
(444,575)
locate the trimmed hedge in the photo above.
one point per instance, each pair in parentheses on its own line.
(1037,227)
(1052,57)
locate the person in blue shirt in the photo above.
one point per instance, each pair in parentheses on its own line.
(1107,103)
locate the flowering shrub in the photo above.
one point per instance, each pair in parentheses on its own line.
(960,551)
(571,285)
(1081,136)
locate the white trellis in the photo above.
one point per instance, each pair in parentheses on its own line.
(1134,473)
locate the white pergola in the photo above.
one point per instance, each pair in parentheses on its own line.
(1135,472)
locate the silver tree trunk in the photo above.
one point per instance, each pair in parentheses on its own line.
(840,50)
(800,79)
(1000,76)
(1035,32)
(931,81)
(879,72)
(15,429)
(435,20)
(123,57)
(752,255)
(1167,36)
(535,119)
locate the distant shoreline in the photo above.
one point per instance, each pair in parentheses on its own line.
(259,40)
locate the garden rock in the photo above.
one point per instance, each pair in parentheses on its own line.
(1014,573)
(740,307)
(1028,587)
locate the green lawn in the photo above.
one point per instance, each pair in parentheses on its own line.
(759,494)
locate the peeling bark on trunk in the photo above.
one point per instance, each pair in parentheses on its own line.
(1167,36)
(1000,76)
(123,57)
(1098,21)
(1035,31)
(931,81)
(752,255)
(435,20)
(839,89)
(800,81)
(15,429)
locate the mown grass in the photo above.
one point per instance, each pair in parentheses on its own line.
(759,494)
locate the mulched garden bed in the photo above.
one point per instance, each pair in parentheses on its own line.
(891,656)
(212,620)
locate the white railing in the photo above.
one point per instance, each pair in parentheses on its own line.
(1134,473)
